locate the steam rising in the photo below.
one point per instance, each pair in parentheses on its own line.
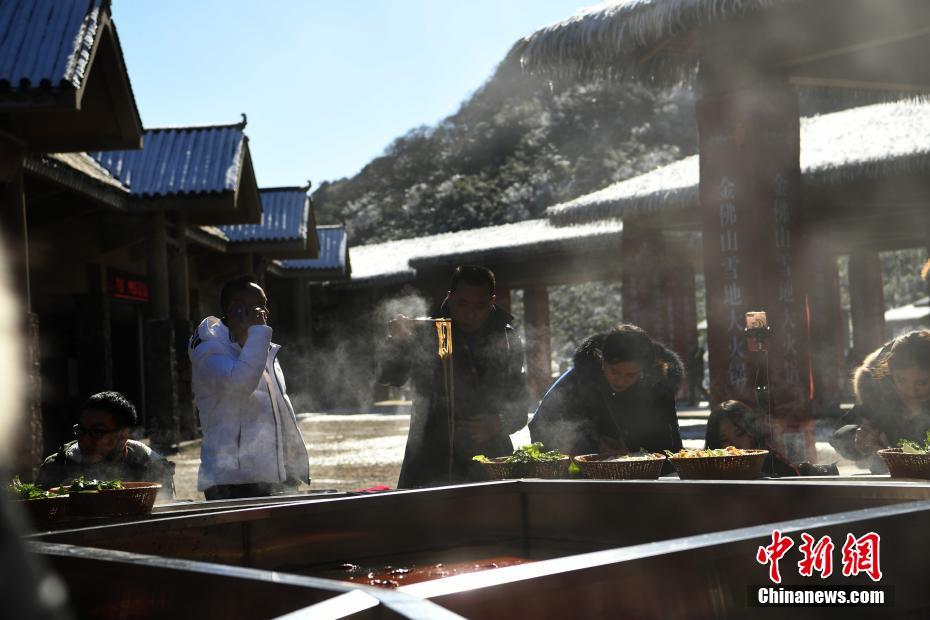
(339,372)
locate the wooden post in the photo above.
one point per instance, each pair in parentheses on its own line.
(161,386)
(658,288)
(866,304)
(827,361)
(680,304)
(751,223)
(157,266)
(538,340)
(643,291)
(302,311)
(160,346)
(180,303)
(179,273)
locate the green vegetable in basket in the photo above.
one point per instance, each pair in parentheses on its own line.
(481,459)
(912,447)
(20,490)
(83,485)
(533,453)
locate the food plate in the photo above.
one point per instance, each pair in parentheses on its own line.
(135,498)
(734,464)
(904,465)
(616,466)
(499,469)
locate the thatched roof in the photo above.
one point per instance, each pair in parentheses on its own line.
(522,240)
(916,311)
(870,142)
(393,261)
(612,39)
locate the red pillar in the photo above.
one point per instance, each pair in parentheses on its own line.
(680,306)
(538,343)
(866,303)
(751,222)
(827,361)
(658,288)
(643,291)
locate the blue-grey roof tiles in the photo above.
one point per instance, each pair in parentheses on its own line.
(333,251)
(177,161)
(285,212)
(47,43)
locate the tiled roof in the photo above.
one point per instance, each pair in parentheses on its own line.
(284,217)
(79,173)
(333,252)
(47,43)
(182,160)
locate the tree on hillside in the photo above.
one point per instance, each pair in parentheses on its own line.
(510,151)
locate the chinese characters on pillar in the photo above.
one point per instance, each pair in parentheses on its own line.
(732,291)
(859,555)
(786,294)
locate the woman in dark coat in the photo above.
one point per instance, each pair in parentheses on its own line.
(734,424)
(619,396)
(892,387)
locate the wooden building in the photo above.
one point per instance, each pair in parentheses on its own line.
(122,264)
(63,87)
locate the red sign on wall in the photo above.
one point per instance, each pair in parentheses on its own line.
(129,287)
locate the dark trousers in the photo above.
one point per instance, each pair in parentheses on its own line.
(254,489)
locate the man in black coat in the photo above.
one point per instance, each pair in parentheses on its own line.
(619,396)
(489,385)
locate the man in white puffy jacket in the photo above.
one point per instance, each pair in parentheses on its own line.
(252,445)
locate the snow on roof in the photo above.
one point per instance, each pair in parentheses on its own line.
(866,142)
(916,311)
(391,260)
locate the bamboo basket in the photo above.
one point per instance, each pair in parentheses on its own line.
(135,498)
(741,467)
(901,465)
(597,467)
(497,469)
(46,511)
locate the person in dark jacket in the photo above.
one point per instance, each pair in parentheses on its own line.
(103,450)
(489,386)
(619,396)
(892,388)
(733,423)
